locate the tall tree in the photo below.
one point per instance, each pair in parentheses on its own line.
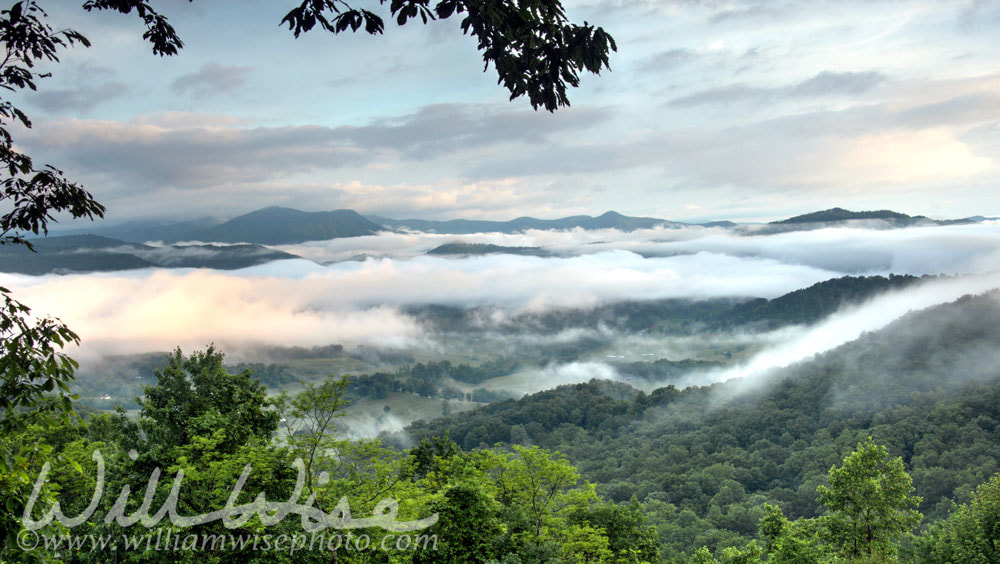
(308,419)
(196,395)
(871,502)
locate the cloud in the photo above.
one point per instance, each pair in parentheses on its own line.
(297,302)
(368,421)
(713,255)
(388,66)
(666,60)
(862,146)
(647,149)
(751,11)
(554,375)
(722,95)
(176,254)
(852,323)
(973,13)
(958,110)
(913,142)
(480,199)
(483,199)
(189,120)
(157,310)
(916,141)
(829,82)
(81,99)
(826,83)
(454,126)
(176,151)
(80,90)
(797,344)
(135,155)
(212,79)
(441,129)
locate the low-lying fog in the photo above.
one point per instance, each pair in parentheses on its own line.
(355,291)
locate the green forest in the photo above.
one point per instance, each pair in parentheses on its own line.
(882,450)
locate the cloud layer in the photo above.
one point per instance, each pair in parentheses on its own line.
(299,302)
(848,325)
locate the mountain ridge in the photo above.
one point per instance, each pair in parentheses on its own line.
(282,226)
(894,218)
(95,253)
(276,225)
(608,220)
(707,458)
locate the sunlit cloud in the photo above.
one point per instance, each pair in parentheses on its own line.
(330,299)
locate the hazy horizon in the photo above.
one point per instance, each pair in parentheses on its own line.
(719,110)
(69,225)
(332,297)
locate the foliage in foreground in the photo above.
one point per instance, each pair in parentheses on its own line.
(518,504)
(970,534)
(522,504)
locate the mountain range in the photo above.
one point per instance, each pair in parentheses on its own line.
(268,226)
(286,226)
(94,253)
(607,220)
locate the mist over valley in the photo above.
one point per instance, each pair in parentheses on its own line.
(523,310)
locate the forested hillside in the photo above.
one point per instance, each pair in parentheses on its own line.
(684,315)
(592,472)
(704,460)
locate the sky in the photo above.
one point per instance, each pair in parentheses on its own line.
(715,109)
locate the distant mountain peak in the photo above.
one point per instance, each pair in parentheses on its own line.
(271,210)
(841,214)
(277,225)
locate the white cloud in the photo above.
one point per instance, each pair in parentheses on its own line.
(302,303)
(852,323)
(212,79)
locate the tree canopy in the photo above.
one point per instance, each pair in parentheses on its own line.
(870,502)
(970,534)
